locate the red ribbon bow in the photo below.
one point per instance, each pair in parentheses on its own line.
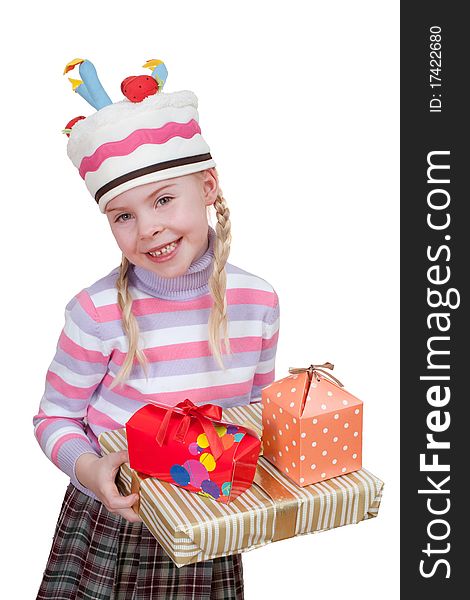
(206,414)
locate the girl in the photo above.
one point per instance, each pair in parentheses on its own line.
(173,321)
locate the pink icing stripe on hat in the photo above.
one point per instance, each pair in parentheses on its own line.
(134,140)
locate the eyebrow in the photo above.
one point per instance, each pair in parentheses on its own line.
(157,191)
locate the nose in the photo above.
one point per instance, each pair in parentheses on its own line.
(149,226)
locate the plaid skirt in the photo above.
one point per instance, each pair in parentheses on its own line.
(98,555)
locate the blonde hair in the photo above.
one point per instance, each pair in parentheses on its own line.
(218,322)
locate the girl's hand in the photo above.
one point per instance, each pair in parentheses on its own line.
(98,474)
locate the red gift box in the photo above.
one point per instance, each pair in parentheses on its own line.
(191,447)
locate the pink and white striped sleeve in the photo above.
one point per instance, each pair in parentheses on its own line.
(79,365)
(265,371)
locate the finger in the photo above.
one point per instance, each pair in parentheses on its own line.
(116,501)
(116,459)
(129,515)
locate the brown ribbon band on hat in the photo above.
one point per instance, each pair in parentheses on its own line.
(314,369)
(162,166)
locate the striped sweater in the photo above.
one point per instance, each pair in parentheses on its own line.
(172,314)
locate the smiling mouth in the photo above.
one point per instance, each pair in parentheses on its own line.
(166,249)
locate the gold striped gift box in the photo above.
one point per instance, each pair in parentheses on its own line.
(192,528)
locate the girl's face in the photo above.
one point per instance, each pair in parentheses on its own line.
(167,218)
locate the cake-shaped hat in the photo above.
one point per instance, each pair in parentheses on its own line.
(147,137)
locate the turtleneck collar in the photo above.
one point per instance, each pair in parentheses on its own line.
(193,283)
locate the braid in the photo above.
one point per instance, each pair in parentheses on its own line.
(218,323)
(130,326)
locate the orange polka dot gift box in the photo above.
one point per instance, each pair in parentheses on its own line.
(312,427)
(189,446)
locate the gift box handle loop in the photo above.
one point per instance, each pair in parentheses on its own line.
(205,414)
(313,371)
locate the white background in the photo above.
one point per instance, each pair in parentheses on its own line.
(299,104)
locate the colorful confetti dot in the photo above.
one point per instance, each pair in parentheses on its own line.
(226,487)
(193,448)
(208,461)
(211,488)
(204,494)
(197,472)
(221,430)
(179,475)
(202,440)
(228,441)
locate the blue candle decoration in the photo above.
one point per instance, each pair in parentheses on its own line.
(93,85)
(159,72)
(89,87)
(79,87)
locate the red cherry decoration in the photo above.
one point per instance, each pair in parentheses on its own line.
(136,88)
(71,123)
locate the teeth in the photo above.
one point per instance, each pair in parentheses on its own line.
(165,250)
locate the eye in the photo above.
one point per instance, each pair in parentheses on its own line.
(120,218)
(163,200)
